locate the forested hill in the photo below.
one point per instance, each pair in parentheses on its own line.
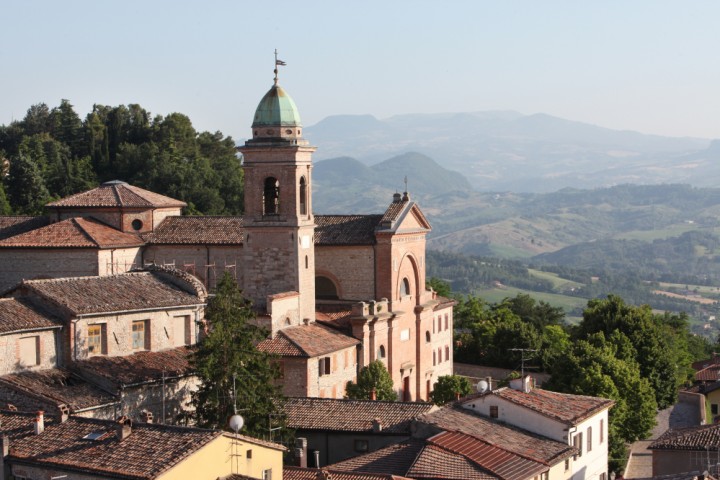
(52,153)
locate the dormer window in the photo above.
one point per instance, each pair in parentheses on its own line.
(271,196)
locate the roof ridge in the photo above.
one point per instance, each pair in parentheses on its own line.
(83,230)
(294,343)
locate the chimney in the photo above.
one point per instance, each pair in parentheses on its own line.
(397,198)
(406,197)
(124,427)
(377,425)
(147,416)
(301,452)
(64,412)
(489,382)
(373,394)
(40,422)
(316,454)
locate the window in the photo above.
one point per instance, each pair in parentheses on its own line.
(494,413)
(95,339)
(271,196)
(602,430)
(29,351)
(714,408)
(567,464)
(603,476)
(248,454)
(578,443)
(589,439)
(181,330)
(447,353)
(439,323)
(447,322)
(361,446)
(404,287)
(324,366)
(381,351)
(325,289)
(427,337)
(138,335)
(267,474)
(439,354)
(434,358)
(303,196)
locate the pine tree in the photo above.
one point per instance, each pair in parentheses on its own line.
(26,187)
(234,374)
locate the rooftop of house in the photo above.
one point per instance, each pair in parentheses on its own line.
(210,230)
(702,437)
(15,225)
(307,341)
(346,229)
(55,385)
(76,232)
(700,364)
(92,446)
(297,473)
(346,415)
(708,374)
(455,418)
(113,293)
(115,194)
(564,407)
(138,368)
(22,314)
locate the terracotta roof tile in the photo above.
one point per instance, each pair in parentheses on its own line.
(703,437)
(146,453)
(57,386)
(21,314)
(127,291)
(709,374)
(346,229)
(297,473)
(567,408)
(394,459)
(307,341)
(139,367)
(503,463)
(15,225)
(117,194)
(76,232)
(352,415)
(522,442)
(182,230)
(435,462)
(393,211)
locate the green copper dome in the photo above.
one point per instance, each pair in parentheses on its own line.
(276,109)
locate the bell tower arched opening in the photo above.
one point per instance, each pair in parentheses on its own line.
(271,196)
(303,196)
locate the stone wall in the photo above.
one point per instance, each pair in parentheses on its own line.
(30,263)
(113,261)
(16,351)
(175,394)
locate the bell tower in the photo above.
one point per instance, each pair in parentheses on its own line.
(279,252)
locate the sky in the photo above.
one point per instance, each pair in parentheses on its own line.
(645,65)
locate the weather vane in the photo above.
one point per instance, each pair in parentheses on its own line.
(277,62)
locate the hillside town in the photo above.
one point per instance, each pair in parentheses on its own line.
(106,300)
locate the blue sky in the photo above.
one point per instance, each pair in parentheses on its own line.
(645,65)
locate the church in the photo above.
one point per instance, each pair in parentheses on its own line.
(336,292)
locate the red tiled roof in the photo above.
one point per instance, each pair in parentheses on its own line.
(567,408)
(393,211)
(709,374)
(117,194)
(522,442)
(297,473)
(127,291)
(435,462)
(307,341)
(703,437)
(444,302)
(352,415)
(15,225)
(146,453)
(394,459)
(503,463)
(208,230)
(20,314)
(140,367)
(701,364)
(346,229)
(57,386)
(76,232)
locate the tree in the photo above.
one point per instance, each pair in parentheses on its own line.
(448,387)
(372,376)
(440,286)
(233,373)
(26,187)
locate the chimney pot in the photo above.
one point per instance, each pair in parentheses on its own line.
(301,452)
(377,425)
(373,394)
(40,422)
(124,427)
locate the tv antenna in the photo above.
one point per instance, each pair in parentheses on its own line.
(522,358)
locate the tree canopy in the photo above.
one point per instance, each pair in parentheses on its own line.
(448,387)
(373,376)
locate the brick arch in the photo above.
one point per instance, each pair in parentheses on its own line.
(333,278)
(415,276)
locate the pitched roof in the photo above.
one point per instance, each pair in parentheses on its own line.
(702,437)
(392,213)
(307,341)
(57,386)
(395,459)
(352,415)
(140,367)
(146,453)
(700,364)
(297,473)
(708,374)
(112,293)
(76,232)
(15,225)
(399,210)
(529,445)
(435,462)
(20,314)
(346,229)
(503,463)
(117,194)
(209,230)
(567,408)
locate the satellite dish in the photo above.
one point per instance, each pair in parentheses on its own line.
(482,386)
(236,423)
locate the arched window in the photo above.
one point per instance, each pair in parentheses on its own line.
(381,351)
(303,196)
(427,337)
(404,287)
(325,289)
(271,196)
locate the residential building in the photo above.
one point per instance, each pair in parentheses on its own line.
(684,450)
